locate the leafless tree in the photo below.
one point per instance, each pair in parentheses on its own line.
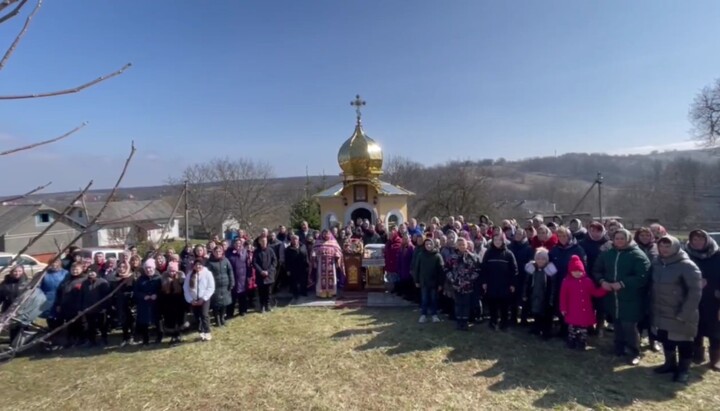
(402,171)
(454,189)
(224,189)
(705,115)
(6,16)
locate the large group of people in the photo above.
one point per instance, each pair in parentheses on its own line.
(570,281)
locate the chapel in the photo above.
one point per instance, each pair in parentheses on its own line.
(362,194)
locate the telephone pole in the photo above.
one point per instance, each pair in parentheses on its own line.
(187,215)
(599,182)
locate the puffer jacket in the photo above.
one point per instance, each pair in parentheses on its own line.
(224,281)
(428,269)
(708,261)
(499,272)
(540,287)
(465,271)
(676,294)
(629,267)
(49,286)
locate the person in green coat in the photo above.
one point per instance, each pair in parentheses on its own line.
(623,271)
(428,274)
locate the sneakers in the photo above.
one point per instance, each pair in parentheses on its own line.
(208,337)
(423,319)
(634,361)
(435,319)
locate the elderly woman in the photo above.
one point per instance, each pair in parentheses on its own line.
(676,293)
(145,293)
(704,252)
(623,272)
(544,238)
(224,277)
(646,242)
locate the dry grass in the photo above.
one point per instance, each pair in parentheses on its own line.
(321,359)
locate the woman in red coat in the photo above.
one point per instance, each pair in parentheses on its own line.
(576,303)
(544,238)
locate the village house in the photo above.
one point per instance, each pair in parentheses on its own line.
(20,223)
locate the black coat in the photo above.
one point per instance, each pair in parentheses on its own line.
(499,272)
(70,296)
(10,289)
(147,310)
(592,250)
(94,291)
(540,290)
(296,260)
(224,281)
(523,253)
(709,264)
(265,260)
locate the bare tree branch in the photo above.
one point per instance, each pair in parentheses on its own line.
(5,318)
(20,35)
(13,13)
(69,90)
(29,193)
(42,143)
(5,3)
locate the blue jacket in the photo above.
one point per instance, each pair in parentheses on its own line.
(49,286)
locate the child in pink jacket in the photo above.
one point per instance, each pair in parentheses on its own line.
(576,296)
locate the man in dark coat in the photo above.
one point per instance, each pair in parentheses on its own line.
(705,253)
(94,289)
(298,267)
(371,237)
(265,264)
(224,276)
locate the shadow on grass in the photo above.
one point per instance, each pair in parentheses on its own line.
(515,360)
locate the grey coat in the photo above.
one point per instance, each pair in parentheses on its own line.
(676,293)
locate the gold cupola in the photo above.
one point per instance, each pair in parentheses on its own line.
(360,156)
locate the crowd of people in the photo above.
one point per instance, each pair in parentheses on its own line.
(569,281)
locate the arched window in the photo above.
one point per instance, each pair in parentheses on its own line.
(394,218)
(331,221)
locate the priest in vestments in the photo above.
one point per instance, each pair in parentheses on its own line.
(327,265)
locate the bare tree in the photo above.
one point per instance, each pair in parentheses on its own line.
(454,189)
(6,16)
(224,189)
(402,171)
(705,115)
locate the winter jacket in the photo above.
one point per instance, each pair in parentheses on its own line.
(224,281)
(576,296)
(278,248)
(265,260)
(464,272)
(121,300)
(296,260)
(405,258)
(676,294)
(561,255)
(392,254)
(94,290)
(708,261)
(199,286)
(523,253)
(10,290)
(592,250)
(428,270)
(371,238)
(549,244)
(69,296)
(147,311)
(240,264)
(540,287)
(499,272)
(629,267)
(49,285)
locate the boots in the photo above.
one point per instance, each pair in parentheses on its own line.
(715,359)
(698,352)
(671,364)
(683,372)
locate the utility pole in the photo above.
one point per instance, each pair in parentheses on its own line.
(187,215)
(599,182)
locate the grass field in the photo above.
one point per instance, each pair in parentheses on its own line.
(370,359)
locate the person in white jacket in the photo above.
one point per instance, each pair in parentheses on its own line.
(199,287)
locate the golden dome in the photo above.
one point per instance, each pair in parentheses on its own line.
(360,156)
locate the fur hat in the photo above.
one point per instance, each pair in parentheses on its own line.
(150,263)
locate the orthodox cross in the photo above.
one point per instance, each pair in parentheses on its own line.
(357,103)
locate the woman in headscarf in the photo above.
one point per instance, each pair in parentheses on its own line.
(327,263)
(172,301)
(545,238)
(705,253)
(646,242)
(145,292)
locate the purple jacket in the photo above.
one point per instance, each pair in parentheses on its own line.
(404,262)
(240,263)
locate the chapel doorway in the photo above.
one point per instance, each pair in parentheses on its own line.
(363,213)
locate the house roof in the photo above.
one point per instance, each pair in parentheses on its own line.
(130,211)
(384,189)
(13,215)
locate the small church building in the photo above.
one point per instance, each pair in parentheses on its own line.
(362,194)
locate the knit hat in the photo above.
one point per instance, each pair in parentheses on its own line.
(576,264)
(150,263)
(173,266)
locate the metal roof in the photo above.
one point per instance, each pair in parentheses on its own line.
(13,215)
(384,189)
